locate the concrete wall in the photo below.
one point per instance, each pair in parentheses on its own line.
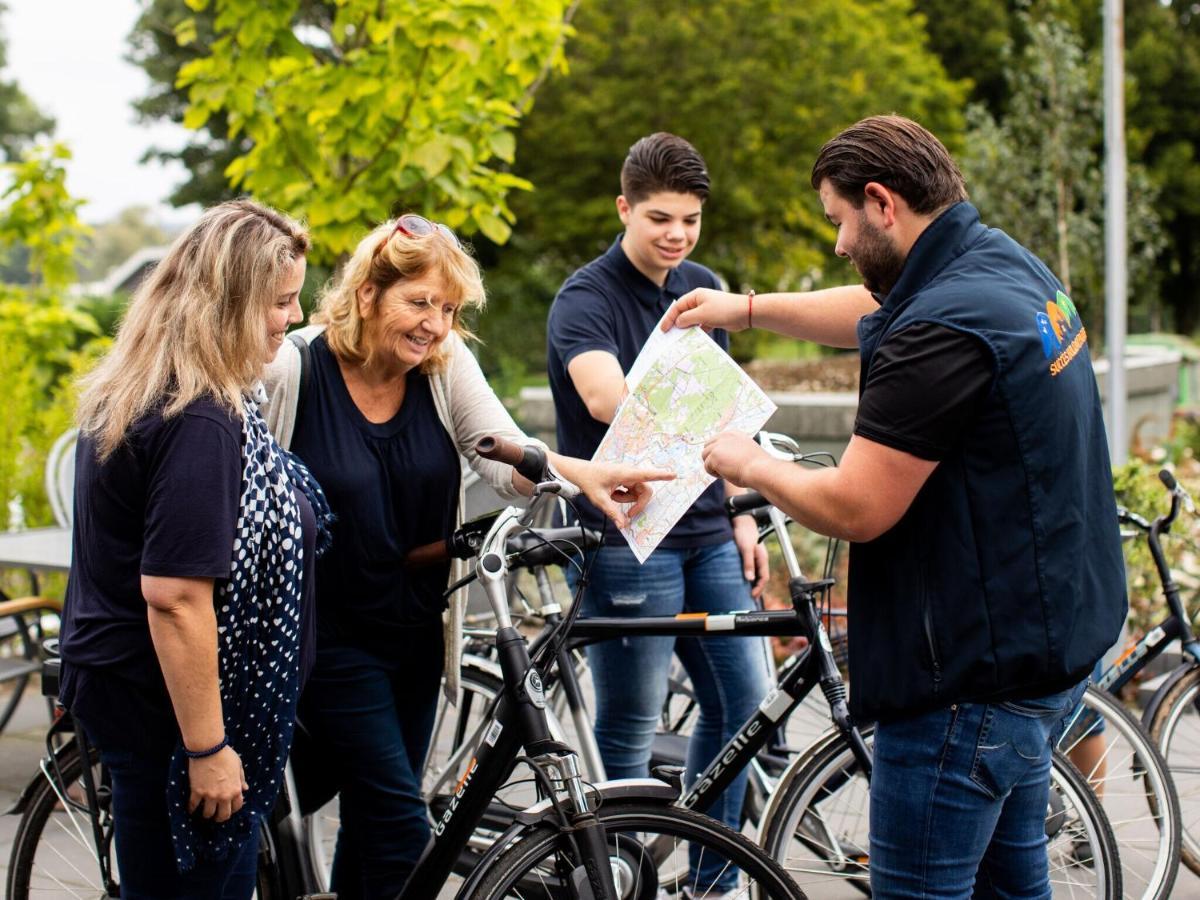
(825,421)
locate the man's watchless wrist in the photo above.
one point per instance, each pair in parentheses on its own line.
(751,473)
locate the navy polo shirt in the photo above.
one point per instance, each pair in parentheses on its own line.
(609,305)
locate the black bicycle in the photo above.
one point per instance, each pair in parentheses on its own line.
(811,813)
(1171,716)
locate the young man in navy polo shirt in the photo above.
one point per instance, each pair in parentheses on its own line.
(986,576)
(597,326)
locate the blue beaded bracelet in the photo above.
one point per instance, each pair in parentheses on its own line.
(200,754)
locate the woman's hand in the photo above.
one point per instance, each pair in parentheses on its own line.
(609,484)
(218,785)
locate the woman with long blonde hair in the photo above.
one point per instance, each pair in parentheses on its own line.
(183,637)
(392,402)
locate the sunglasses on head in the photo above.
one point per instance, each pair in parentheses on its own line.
(412,225)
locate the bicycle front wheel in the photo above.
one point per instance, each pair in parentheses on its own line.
(648,854)
(1176,728)
(54,852)
(819,829)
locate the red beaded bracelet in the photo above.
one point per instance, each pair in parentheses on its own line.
(750,309)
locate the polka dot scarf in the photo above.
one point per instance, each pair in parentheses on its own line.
(258,635)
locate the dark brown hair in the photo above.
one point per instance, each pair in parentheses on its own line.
(899,154)
(663,162)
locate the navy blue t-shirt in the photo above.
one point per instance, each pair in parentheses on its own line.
(392,486)
(165,503)
(609,305)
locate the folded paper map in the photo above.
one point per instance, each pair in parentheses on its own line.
(683,390)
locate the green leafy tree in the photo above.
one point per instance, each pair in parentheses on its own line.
(41,334)
(757,86)
(973,39)
(21,122)
(405,103)
(1037,172)
(41,216)
(154,47)
(1162,112)
(1163,115)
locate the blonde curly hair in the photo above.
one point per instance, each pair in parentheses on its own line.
(383,258)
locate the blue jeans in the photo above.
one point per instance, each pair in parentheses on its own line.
(958,799)
(145,856)
(372,719)
(729,675)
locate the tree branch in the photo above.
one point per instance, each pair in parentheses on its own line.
(527,98)
(400,123)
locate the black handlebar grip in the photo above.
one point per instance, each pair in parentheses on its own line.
(740,504)
(529,461)
(1165,476)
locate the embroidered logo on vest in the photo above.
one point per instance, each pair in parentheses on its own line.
(1055,326)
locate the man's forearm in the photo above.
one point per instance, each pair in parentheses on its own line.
(820,500)
(828,317)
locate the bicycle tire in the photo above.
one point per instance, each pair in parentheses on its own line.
(53,852)
(829,796)
(537,864)
(1177,733)
(1137,792)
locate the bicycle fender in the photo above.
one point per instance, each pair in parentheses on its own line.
(647,790)
(795,767)
(22,801)
(1177,674)
(644,790)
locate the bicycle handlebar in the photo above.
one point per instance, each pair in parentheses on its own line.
(534,547)
(529,461)
(742,504)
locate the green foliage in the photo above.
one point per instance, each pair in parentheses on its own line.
(757,85)
(1037,172)
(377,106)
(1138,489)
(41,216)
(977,39)
(21,122)
(972,38)
(1163,116)
(44,344)
(43,340)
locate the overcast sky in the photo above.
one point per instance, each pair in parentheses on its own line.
(68,55)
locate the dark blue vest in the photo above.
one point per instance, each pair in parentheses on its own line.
(1004,579)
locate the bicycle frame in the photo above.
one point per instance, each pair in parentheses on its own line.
(519,720)
(1176,626)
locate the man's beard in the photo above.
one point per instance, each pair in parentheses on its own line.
(876,258)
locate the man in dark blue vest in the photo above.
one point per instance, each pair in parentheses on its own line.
(986,575)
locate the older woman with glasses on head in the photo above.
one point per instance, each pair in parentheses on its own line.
(390,400)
